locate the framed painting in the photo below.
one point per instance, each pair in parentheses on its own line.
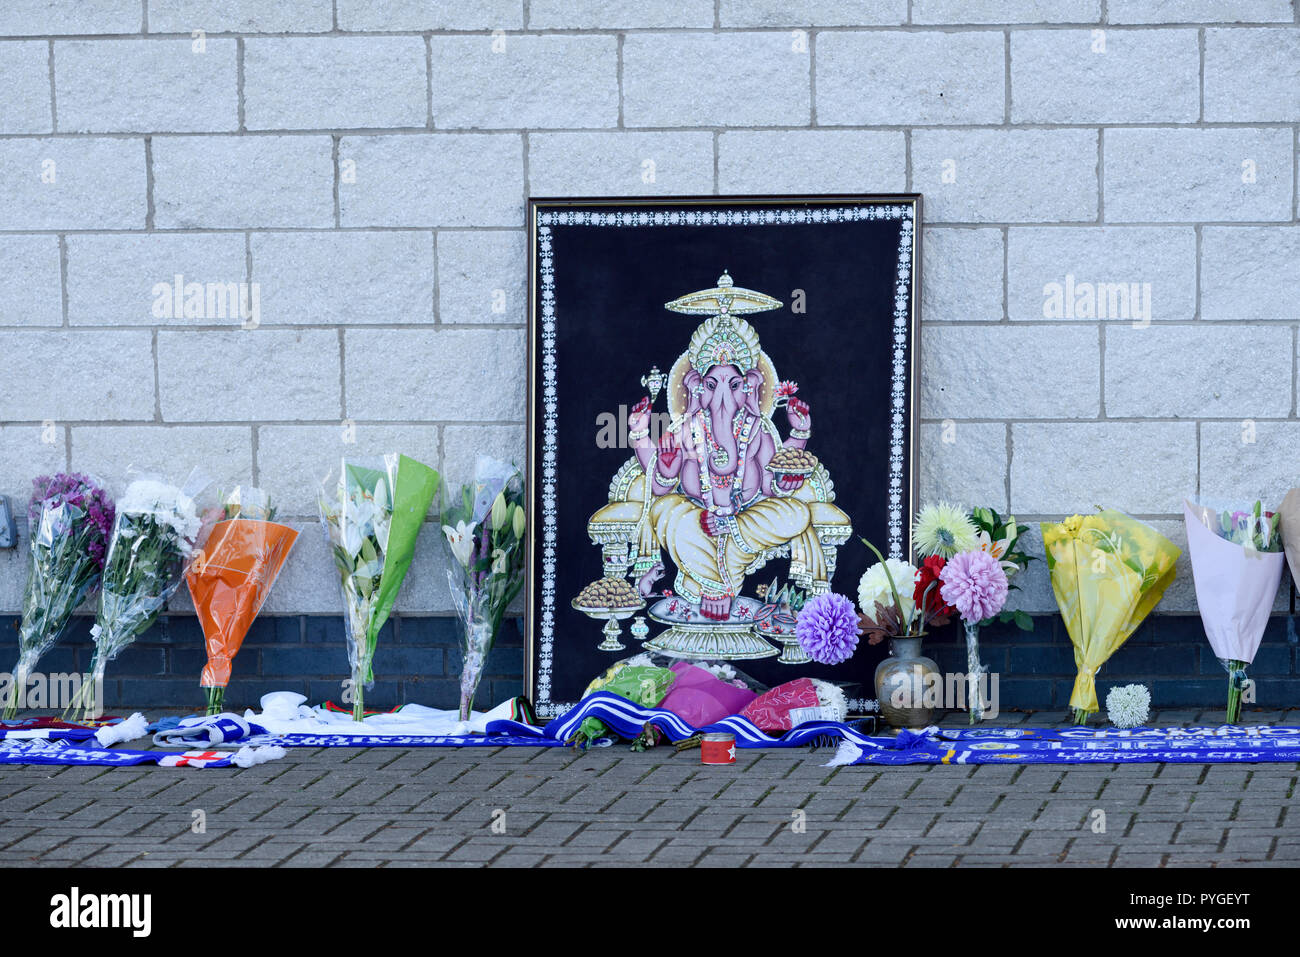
(722,405)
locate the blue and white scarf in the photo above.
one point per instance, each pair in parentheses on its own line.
(1224,744)
(63,752)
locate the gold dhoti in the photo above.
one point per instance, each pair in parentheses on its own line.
(714,567)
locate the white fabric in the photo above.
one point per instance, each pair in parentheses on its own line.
(846,753)
(285,712)
(246,757)
(130,729)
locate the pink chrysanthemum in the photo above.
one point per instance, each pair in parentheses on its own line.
(975,584)
(827,629)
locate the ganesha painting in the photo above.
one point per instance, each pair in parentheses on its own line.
(716,488)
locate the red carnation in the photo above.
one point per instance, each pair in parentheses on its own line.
(937,611)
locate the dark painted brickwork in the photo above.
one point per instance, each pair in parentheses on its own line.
(419,660)
(1169,654)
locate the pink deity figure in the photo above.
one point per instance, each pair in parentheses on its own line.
(714,506)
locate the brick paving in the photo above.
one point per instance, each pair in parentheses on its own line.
(612,807)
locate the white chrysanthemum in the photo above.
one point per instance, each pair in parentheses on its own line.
(1128,706)
(167,504)
(874,587)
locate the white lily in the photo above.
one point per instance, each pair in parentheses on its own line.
(999,548)
(461,540)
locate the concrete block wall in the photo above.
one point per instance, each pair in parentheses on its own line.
(365,163)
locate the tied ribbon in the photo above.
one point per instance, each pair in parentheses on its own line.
(1084,698)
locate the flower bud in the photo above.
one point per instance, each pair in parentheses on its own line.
(499,511)
(519,522)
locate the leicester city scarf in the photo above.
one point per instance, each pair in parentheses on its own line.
(51,729)
(62,752)
(1226,744)
(980,745)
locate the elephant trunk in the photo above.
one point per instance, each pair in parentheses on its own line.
(726,441)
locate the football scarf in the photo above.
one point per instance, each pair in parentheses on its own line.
(1226,744)
(62,752)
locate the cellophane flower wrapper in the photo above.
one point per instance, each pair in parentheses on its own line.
(157,528)
(484,528)
(701,691)
(70,518)
(1237,561)
(1108,572)
(641,679)
(789,705)
(706,692)
(372,510)
(1289,526)
(230,579)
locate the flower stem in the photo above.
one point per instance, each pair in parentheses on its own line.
(1234,690)
(974,670)
(1081,717)
(216,701)
(76,710)
(16,688)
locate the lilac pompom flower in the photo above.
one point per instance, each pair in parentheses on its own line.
(827,629)
(975,584)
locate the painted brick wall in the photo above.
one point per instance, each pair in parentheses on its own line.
(366,163)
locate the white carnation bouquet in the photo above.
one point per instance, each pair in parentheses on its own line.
(157,531)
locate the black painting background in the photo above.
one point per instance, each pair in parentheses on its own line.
(610,286)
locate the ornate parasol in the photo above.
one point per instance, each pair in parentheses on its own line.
(726,298)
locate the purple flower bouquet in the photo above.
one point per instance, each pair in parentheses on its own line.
(70,517)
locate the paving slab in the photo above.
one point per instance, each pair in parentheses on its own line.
(614,807)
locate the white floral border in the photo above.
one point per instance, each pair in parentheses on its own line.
(716,217)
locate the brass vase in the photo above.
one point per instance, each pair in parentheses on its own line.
(907,684)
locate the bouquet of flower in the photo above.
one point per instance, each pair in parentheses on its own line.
(484,526)
(372,513)
(791,704)
(899,600)
(1001,538)
(1108,571)
(70,517)
(1288,514)
(155,532)
(971,555)
(975,584)
(642,680)
(230,578)
(887,600)
(1236,565)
